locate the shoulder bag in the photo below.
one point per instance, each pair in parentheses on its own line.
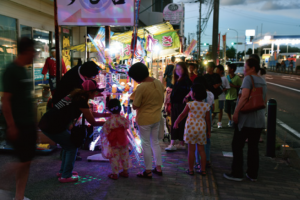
(255,100)
(78,134)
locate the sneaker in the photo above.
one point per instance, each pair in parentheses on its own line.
(179,146)
(171,148)
(232,178)
(220,125)
(73,173)
(251,179)
(72,179)
(230,124)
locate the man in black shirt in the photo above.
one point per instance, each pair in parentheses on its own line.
(213,80)
(74,79)
(17,105)
(169,72)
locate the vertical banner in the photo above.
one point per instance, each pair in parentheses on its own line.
(218,50)
(190,47)
(224,47)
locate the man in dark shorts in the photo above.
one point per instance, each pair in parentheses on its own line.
(17,106)
(232,93)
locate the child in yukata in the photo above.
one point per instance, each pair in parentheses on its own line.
(115,130)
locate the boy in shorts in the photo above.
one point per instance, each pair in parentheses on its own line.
(232,93)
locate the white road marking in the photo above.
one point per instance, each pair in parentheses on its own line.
(284,86)
(290,129)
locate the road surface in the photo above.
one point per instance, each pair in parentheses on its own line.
(286,90)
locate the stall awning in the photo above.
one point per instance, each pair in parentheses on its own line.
(127,36)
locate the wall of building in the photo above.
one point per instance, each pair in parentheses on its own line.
(33,13)
(148,17)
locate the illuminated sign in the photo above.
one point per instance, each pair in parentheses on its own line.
(95,12)
(250,36)
(173,13)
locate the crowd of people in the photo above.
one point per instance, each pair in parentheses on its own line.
(193,102)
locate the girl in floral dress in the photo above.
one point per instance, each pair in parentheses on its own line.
(196,130)
(115,133)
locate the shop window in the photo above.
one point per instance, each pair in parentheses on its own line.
(159,5)
(26,31)
(42,39)
(8,42)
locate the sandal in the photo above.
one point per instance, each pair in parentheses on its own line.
(197,166)
(123,174)
(203,173)
(113,176)
(145,174)
(157,172)
(191,173)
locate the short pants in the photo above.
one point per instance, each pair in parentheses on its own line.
(230,106)
(25,145)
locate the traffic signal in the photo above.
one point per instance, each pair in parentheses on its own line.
(233,43)
(204,44)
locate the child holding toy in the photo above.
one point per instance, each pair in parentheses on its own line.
(115,130)
(197,127)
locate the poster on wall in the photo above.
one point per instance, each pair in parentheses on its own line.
(95,12)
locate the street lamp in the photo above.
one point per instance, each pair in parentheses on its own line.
(237,41)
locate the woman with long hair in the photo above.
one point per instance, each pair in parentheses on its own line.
(181,87)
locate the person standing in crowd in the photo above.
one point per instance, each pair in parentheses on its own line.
(225,86)
(210,100)
(249,125)
(115,130)
(181,87)
(214,82)
(232,94)
(262,72)
(50,67)
(59,121)
(169,73)
(17,107)
(291,65)
(195,128)
(74,79)
(192,71)
(148,100)
(283,66)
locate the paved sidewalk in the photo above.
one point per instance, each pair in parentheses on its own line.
(277,180)
(94,184)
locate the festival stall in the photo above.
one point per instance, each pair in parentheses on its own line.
(154,47)
(113,76)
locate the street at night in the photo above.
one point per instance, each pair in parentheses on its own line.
(149,100)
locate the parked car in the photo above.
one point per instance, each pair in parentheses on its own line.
(240,66)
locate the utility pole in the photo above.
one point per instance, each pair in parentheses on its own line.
(215,31)
(199,30)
